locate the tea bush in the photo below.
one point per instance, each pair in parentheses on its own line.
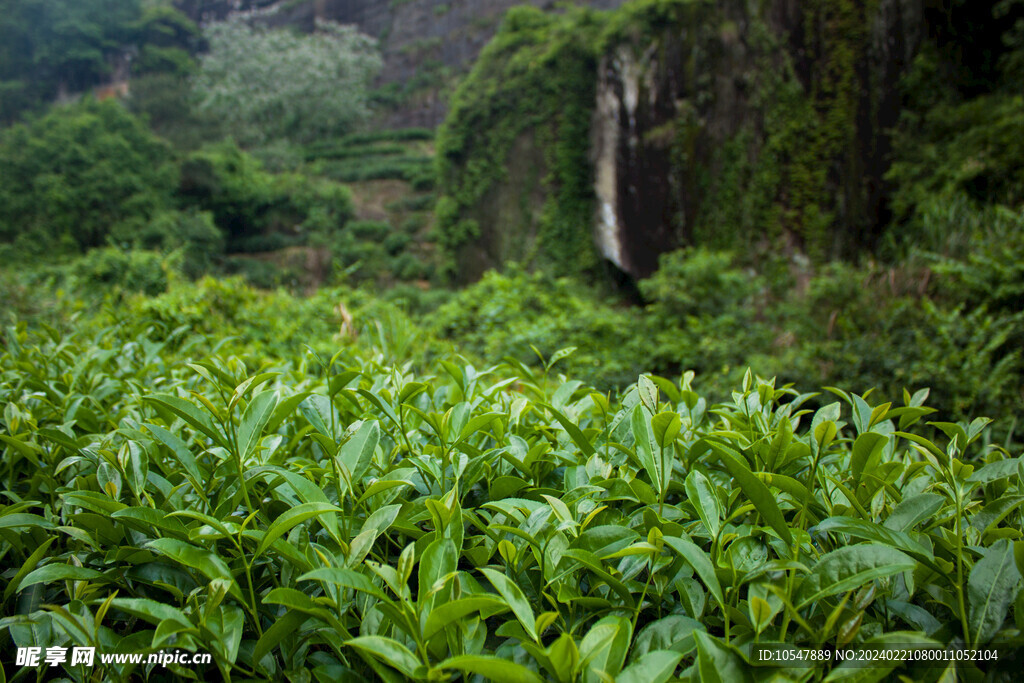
(507,315)
(939,321)
(351,517)
(127,271)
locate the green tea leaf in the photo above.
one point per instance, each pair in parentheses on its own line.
(357,452)
(653,667)
(994,471)
(994,512)
(647,391)
(701,563)
(389,651)
(848,568)
(285,626)
(603,650)
(574,431)
(148,517)
(180,451)
(254,419)
(445,614)
(666,428)
(490,667)
(763,500)
(24,520)
(595,566)
(867,449)
(152,611)
(870,531)
(991,587)
(514,598)
(913,510)
(191,414)
(701,494)
(204,561)
(674,632)
(347,578)
(61,572)
(717,661)
(15,583)
(320,413)
(295,516)
(646,446)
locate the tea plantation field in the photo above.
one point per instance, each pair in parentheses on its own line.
(345,518)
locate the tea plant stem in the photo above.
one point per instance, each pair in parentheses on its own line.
(341,498)
(241,480)
(643,595)
(445,459)
(812,477)
(960,564)
(401,426)
(232,433)
(252,599)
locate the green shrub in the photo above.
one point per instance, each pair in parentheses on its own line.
(519,315)
(192,233)
(857,326)
(392,135)
(254,207)
(69,177)
(369,230)
(257,272)
(395,243)
(345,150)
(415,169)
(110,268)
(412,203)
(59,44)
(232,185)
(163,101)
(167,39)
(697,282)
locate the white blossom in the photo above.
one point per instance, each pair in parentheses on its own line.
(276,83)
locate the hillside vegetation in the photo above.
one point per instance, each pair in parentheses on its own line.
(331,402)
(359,518)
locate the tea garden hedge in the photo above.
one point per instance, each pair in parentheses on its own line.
(348,518)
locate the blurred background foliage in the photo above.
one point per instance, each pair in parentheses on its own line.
(134,204)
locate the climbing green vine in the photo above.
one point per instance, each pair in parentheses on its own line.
(537,78)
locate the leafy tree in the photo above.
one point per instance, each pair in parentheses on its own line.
(265,84)
(69,177)
(166,40)
(50,47)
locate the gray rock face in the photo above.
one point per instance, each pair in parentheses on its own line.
(670,101)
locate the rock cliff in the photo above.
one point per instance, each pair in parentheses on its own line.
(728,123)
(739,122)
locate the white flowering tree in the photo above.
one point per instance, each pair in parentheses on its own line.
(268,84)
